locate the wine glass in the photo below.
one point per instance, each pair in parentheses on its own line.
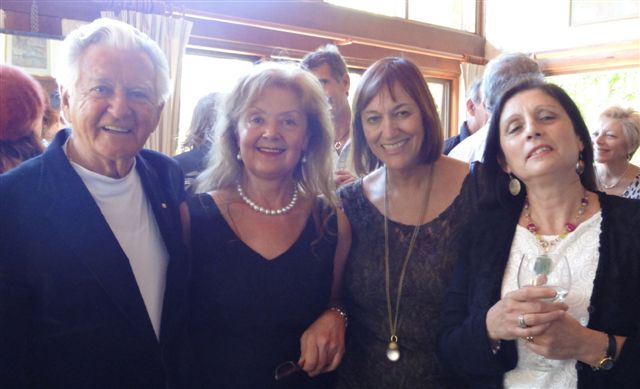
(547,270)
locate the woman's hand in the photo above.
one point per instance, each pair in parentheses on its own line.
(502,319)
(342,177)
(322,344)
(566,338)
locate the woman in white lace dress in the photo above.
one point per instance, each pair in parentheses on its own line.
(538,198)
(615,141)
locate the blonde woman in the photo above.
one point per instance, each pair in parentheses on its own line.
(268,241)
(614,142)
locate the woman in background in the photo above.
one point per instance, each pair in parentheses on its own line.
(614,142)
(540,198)
(405,215)
(268,241)
(199,138)
(21,113)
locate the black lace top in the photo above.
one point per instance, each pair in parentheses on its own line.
(249,312)
(365,364)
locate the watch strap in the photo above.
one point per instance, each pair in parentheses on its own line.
(612,349)
(606,363)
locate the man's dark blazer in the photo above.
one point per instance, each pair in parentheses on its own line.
(71,313)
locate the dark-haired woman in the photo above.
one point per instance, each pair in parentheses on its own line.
(541,198)
(404,216)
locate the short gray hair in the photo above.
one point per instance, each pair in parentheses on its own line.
(630,121)
(474,92)
(118,35)
(504,72)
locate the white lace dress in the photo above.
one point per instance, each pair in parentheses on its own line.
(581,249)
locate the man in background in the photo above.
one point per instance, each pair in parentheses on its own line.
(477,116)
(330,69)
(500,75)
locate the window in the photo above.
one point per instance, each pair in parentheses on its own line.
(595,91)
(458,14)
(441,91)
(202,75)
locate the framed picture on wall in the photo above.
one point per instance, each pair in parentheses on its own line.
(29,53)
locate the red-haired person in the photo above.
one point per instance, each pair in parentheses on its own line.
(21,112)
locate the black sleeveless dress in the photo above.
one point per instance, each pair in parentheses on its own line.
(248,312)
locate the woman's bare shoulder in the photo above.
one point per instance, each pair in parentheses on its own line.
(453,170)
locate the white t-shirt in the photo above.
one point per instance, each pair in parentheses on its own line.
(340,161)
(125,207)
(581,249)
(471,149)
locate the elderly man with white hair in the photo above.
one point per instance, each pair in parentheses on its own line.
(93,270)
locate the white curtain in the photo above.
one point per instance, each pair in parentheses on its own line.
(172,35)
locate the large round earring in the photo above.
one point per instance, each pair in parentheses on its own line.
(580,165)
(239,157)
(514,185)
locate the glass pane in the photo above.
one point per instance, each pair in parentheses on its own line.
(595,91)
(458,14)
(440,90)
(354,81)
(202,75)
(437,91)
(383,7)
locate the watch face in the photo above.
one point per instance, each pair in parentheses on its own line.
(606,364)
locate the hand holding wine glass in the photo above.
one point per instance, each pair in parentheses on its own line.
(547,270)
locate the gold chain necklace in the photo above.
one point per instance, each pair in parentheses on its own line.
(616,180)
(393,350)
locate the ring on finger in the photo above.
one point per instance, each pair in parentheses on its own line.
(521,323)
(529,339)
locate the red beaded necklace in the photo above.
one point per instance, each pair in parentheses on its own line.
(568,227)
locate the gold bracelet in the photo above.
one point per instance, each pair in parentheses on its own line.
(342,314)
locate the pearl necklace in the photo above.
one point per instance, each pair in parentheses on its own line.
(265,211)
(615,182)
(568,227)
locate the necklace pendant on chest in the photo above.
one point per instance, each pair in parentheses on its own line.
(393,351)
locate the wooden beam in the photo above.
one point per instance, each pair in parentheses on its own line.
(615,55)
(322,20)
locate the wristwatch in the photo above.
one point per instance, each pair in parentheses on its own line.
(606,363)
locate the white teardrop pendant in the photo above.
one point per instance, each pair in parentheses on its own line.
(393,351)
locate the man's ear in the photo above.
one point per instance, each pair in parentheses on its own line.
(158,114)
(64,104)
(346,82)
(471,107)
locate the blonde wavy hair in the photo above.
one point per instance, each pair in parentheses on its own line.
(315,176)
